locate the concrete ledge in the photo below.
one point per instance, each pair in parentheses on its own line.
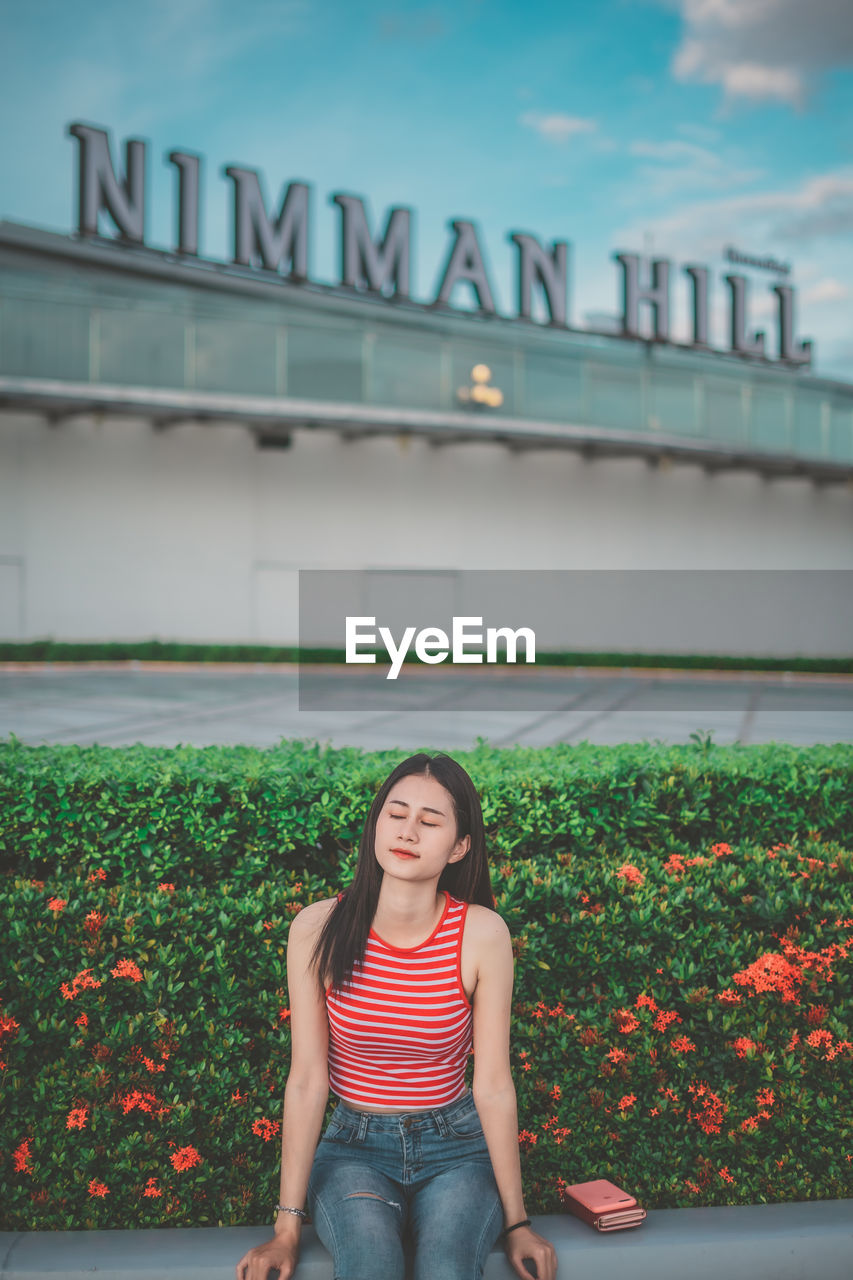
(796,1241)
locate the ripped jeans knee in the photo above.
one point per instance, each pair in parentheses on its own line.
(360,1216)
(372,1195)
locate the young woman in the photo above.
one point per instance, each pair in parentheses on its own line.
(392,984)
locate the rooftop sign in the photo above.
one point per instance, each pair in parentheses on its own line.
(380,264)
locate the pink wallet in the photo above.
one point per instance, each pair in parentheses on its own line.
(603,1205)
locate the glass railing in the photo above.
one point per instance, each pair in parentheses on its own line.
(62,320)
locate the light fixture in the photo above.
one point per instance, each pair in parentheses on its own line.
(479,393)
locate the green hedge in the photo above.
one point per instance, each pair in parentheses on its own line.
(49,650)
(682,919)
(242,811)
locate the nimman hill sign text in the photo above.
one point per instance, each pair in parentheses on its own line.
(379,264)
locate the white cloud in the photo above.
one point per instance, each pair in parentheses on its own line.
(763,50)
(827,290)
(557,127)
(820,207)
(677,166)
(752,80)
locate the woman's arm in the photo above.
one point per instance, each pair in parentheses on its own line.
(494,1091)
(306,1095)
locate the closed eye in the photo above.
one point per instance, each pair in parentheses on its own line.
(401,816)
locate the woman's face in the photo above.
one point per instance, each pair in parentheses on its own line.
(416,835)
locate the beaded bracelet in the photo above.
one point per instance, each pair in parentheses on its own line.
(525,1222)
(285,1208)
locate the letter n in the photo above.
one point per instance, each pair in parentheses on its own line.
(537,265)
(99,188)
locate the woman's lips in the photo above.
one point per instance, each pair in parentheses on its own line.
(404,853)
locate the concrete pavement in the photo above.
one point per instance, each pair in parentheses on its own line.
(120,704)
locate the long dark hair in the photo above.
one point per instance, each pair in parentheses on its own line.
(343,938)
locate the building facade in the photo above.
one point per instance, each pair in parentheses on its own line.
(178,438)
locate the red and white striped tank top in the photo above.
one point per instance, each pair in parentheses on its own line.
(400,1033)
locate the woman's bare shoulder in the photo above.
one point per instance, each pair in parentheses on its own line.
(486,925)
(310,920)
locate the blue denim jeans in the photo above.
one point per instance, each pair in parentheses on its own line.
(425,1176)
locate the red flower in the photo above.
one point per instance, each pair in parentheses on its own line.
(589,1035)
(664,1018)
(729,996)
(527,1139)
(77,1118)
(627,1101)
(21,1157)
(82,980)
(166,887)
(630,873)
(617,1055)
(266,1129)
(138,1101)
(97,1188)
(818,1038)
(772,972)
(625,1021)
(284,1015)
(185,1158)
(151,1188)
(765,1097)
(95,920)
(127,969)
(57,904)
(98,874)
(724,1173)
(720,850)
(647,1002)
(711,1111)
(681,1044)
(742,1046)
(8,1027)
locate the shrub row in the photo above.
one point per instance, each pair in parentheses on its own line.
(48,650)
(681,1018)
(246,813)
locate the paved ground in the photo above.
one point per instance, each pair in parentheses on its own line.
(121,704)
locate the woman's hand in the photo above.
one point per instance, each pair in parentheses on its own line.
(279,1254)
(525,1243)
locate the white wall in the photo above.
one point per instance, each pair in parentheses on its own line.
(110,530)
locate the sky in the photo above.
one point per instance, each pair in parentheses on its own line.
(664,127)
